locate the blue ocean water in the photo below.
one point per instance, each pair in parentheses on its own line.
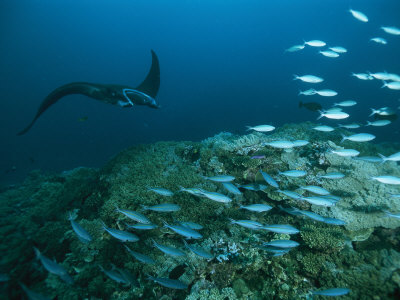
(223,67)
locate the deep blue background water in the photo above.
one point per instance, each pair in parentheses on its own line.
(223,67)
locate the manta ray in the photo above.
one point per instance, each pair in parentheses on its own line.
(121,95)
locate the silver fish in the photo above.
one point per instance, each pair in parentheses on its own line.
(269,179)
(161,191)
(163,207)
(215,196)
(282,244)
(114,275)
(82,234)
(169,283)
(281,228)
(257,207)
(359,15)
(334,221)
(140,257)
(308,78)
(387,179)
(133,215)
(315,189)
(312,215)
(247,224)
(332,292)
(141,226)
(220,178)
(168,250)
(191,225)
(199,251)
(230,187)
(294,173)
(359,137)
(123,236)
(322,201)
(332,175)
(184,231)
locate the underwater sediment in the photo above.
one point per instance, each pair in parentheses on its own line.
(362,255)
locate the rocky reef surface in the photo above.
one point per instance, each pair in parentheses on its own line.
(363,255)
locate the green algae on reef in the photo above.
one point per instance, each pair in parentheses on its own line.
(364,255)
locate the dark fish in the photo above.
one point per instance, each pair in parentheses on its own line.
(313,106)
(258,157)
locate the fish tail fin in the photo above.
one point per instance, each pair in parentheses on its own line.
(384,158)
(144,207)
(373,111)
(295,77)
(384,84)
(321,114)
(249,128)
(368,123)
(37,252)
(104,227)
(71,217)
(343,138)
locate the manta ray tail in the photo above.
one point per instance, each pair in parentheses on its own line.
(54,96)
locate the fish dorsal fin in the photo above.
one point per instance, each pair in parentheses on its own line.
(151,83)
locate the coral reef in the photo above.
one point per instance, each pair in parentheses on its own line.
(363,255)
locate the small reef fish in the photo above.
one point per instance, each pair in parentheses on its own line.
(53,267)
(282,244)
(394,85)
(326,93)
(312,106)
(332,292)
(378,123)
(391,30)
(395,195)
(362,76)
(329,53)
(281,228)
(371,159)
(261,128)
(332,175)
(31,295)
(199,251)
(268,179)
(290,210)
(384,111)
(295,48)
(275,250)
(163,207)
(192,191)
(381,75)
(161,191)
(324,128)
(346,152)
(257,207)
(300,143)
(123,236)
(393,157)
(315,189)
(168,250)
(315,43)
(215,196)
(334,221)
(350,126)
(308,78)
(220,178)
(346,103)
(291,194)
(336,115)
(379,40)
(280,144)
(321,201)
(133,215)
(141,226)
(256,187)
(359,15)
(140,257)
(257,157)
(184,231)
(82,234)
(308,92)
(114,275)
(338,49)
(294,173)
(191,225)
(387,179)
(392,215)
(312,215)
(169,283)
(231,188)
(359,137)
(248,224)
